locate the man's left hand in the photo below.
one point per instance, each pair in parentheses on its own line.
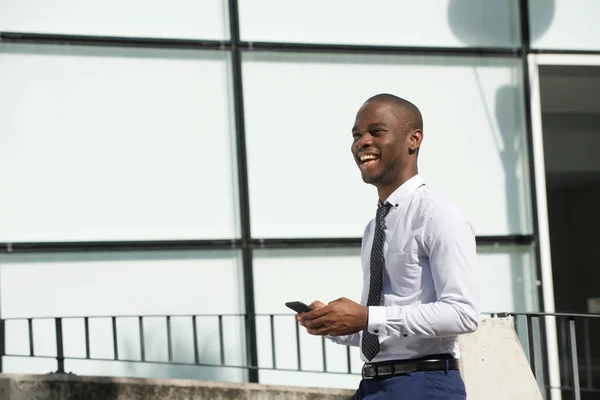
(340,317)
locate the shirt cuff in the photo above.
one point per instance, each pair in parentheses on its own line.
(377,319)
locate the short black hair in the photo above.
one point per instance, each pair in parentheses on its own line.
(403,109)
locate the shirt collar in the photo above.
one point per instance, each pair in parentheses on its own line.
(405,190)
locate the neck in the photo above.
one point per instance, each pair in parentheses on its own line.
(385,190)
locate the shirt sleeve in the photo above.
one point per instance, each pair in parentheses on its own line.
(346,340)
(449,243)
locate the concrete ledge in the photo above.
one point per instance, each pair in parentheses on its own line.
(71,387)
(494,365)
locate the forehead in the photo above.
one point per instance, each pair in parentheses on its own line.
(375,112)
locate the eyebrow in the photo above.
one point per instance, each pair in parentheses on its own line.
(371,126)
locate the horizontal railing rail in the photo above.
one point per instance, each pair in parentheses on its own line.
(216,340)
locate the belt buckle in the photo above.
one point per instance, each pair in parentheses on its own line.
(369,371)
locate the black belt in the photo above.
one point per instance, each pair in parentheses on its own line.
(390,368)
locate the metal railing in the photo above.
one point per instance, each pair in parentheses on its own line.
(218,341)
(215,337)
(579,361)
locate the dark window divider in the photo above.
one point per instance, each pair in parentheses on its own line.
(568,52)
(275,243)
(143,245)
(243,190)
(356,242)
(375,49)
(112,41)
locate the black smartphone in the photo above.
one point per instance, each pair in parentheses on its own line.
(298,306)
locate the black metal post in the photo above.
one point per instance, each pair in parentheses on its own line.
(86,325)
(244,199)
(530,340)
(195,333)
(60,357)
(273,351)
(324,349)
(348,359)
(298,351)
(221,341)
(114,335)
(30,327)
(574,360)
(142,344)
(169,340)
(2,343)
(587,348)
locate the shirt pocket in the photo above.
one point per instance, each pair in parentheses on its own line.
(404,273)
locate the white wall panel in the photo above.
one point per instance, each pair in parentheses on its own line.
(115,144)
(299,113)
(178,19)
(564,24)
(446,23)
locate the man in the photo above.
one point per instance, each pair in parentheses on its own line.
(419,261)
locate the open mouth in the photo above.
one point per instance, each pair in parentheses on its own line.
(368,159)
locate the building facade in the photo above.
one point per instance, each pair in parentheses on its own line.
(193,159)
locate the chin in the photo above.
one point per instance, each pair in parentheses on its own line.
(369,179)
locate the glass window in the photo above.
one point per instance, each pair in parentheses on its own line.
(115,144)
(130,284)
(439,23)
(564,24)
(506,282)
(300,109)
(177,19)
(508,279)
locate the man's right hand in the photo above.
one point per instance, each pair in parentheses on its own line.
(314,305)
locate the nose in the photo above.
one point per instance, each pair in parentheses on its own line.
(365,141)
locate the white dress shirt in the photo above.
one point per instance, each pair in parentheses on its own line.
(430,260)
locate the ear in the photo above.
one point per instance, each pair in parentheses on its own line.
(415,138)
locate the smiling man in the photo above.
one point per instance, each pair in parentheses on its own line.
(419,259)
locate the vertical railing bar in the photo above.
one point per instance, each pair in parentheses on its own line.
(86,326)
(544,357)
(221,341)
(273,352)
(565,351)
(142,340)
(588,353)
(169,341)
(114,334)
(195,333)
(530,343)
(574,361)
(60,357)
(2,343)
(324,353)
(348,359)
(298,352)
(30,325)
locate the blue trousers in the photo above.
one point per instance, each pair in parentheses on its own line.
(430,385)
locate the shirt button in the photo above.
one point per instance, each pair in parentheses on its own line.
(376,331)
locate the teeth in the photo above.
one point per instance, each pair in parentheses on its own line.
(366,157)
